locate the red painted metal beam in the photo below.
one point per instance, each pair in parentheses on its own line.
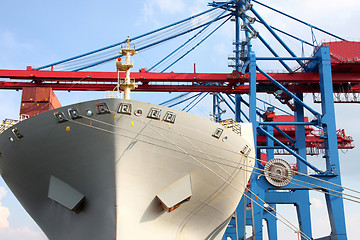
(242,89)
(110,87)
(142,76)
(172,82)
(112,76)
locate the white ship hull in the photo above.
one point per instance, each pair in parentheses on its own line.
(112,175)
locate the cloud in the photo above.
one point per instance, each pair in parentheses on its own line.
(2,192)
(14,50)
(152,7)
(148,14)
(9,233)
(148,10)
(4,212)
(9,40)
(352,219)
(170,6)
(22,233)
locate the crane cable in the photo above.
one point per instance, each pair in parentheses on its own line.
(296,230)
(230,183)
(189,24)
(260,169)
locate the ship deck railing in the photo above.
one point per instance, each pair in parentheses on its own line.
(8,123)
(231,124)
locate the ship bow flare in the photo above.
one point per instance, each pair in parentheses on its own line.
(123,169)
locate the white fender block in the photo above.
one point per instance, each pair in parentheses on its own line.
(176,193)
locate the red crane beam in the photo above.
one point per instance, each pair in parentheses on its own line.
(171,82)
(110,87)
(142,76)
(243,89)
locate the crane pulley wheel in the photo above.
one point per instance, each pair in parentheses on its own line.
(278,172)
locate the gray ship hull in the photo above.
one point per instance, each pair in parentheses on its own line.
(98,170)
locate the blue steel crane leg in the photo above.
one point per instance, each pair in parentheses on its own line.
(238,108)
(237,62)
(237,38)
(270,220)
(252,93)
(269,143)
(215,104)
(241,209)
(255,188)
(303,203)
(334,204)
(230,231)
(241,218)
(256,203)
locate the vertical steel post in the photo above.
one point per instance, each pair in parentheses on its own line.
(237,37)
(334,204)
(241,209)
(215,107)
(238,107)
(252,93)
(255,188)
(237,60)
(303,204)
(241,218)
(270,220)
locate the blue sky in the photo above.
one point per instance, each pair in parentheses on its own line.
(39,32)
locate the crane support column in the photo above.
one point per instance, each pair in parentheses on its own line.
(303,204)
(270,219)
(238,97)
(334,204)
(257,193)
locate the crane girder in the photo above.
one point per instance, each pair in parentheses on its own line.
(234,82)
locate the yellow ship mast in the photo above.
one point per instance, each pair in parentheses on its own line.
(126,84)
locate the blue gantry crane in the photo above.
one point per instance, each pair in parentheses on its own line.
(252,209)
(265,191)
